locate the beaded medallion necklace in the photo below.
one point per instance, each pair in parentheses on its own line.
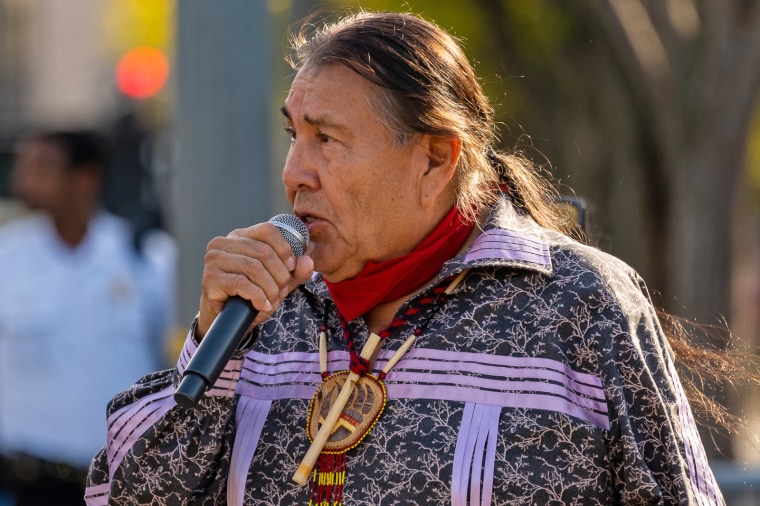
(348,403)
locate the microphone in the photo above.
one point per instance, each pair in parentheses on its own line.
(225,333)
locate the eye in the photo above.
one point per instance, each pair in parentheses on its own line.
(291,132)
(324,138)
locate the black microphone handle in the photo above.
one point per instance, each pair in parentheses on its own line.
(216,349)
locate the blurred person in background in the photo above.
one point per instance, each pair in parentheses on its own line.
(84,311)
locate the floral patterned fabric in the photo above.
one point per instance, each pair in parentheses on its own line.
(544,379)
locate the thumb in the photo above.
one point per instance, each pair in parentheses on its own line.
(303,272)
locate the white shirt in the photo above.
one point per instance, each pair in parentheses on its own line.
(76,326)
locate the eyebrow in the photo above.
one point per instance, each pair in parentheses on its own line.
(321,120)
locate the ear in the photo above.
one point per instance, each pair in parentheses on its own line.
(442,159)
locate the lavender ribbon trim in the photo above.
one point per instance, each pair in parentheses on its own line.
(506,245)
(516,382)
(250,417)
(474,455)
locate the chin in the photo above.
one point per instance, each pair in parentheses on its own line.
(328,270)
(321,259)
(330,262)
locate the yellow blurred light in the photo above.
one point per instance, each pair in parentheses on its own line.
(133,23)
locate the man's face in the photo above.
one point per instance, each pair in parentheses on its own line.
(357,192)
(40,178)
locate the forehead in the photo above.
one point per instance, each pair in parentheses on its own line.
(38,151)
(331,94)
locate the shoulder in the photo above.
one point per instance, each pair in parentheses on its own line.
(104,223)
(113,234)
(595,271)
(159,247)
(23,232)
(559,269)
(512,239)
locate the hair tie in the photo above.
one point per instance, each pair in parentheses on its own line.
(501,168)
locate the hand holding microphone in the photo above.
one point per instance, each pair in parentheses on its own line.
(229,326)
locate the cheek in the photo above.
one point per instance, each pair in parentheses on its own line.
(331,254)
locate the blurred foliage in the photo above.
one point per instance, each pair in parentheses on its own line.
(541,29)
(131,23)
(753,155)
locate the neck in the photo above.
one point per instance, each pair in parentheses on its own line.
(380,316)
(72,229)
(382,283)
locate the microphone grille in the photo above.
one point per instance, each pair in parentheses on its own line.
(293,230)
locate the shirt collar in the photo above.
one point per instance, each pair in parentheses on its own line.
(510,238)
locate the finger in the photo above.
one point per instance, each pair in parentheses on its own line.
(268,233)
(259,280)
(303,271)
(249,253)
(255,263)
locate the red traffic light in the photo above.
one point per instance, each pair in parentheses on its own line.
(142,72)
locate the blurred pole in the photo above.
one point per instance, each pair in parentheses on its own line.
(222,175)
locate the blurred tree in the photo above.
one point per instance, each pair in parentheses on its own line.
(644,107)
(677,82)
(693,71)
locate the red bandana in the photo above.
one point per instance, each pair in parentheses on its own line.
(381,282)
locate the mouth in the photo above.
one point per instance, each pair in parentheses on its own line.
(305,216)
(308,219)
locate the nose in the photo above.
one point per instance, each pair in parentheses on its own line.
(300,170)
